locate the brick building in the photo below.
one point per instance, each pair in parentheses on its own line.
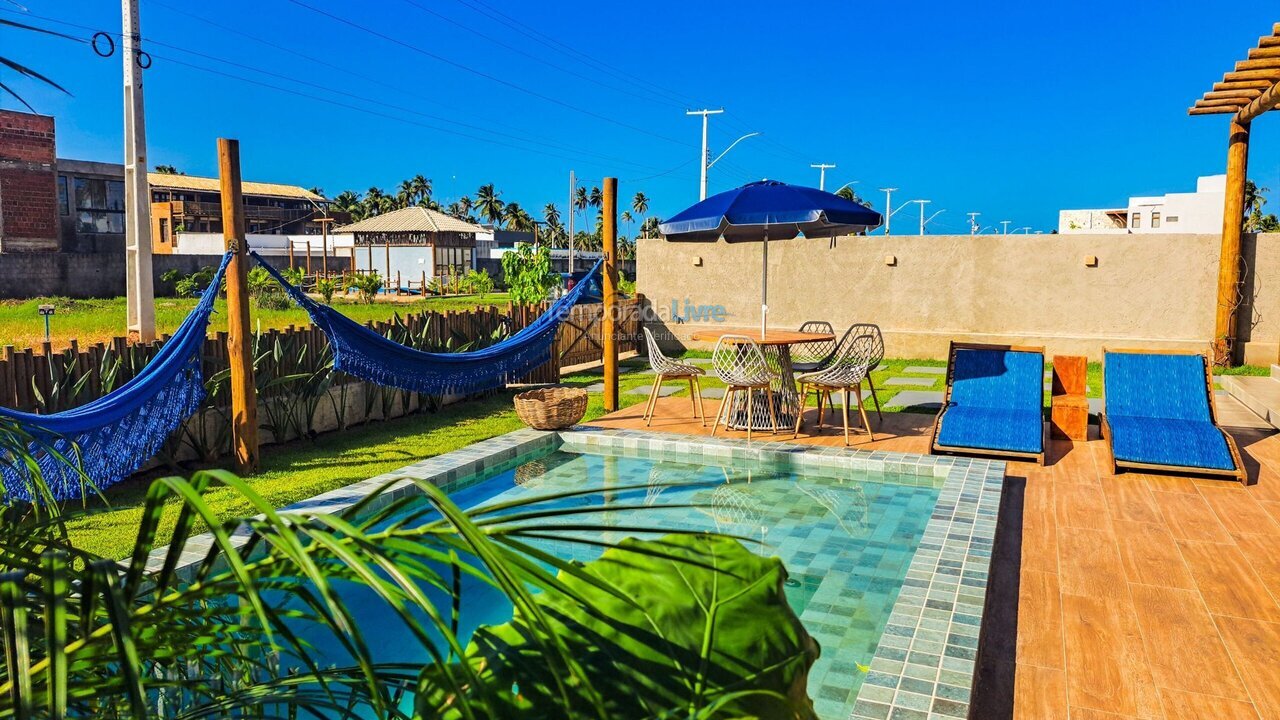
(28,174)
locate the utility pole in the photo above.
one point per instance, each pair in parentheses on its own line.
(573,185)
(702,159)
(140,291)
(922,220)
(888,206)
(822,173)
(973,222)
(1005,223)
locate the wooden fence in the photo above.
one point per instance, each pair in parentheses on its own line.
(40,380)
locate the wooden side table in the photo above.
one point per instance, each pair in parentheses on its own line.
(1069,412)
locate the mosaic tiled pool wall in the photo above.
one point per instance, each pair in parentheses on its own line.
(923,667)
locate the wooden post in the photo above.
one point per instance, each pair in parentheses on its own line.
(324,244)
(244,401)
(609,323)
(1224,343)
(386,279)
(290,244)
(370,257)
(308,256)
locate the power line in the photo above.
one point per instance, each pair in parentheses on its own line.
(483,74)
(586,154)
(531,56)
(536,35)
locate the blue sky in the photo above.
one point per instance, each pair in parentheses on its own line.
(1011,109)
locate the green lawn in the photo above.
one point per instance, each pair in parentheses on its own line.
(97,320)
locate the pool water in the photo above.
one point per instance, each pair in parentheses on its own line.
(846,539)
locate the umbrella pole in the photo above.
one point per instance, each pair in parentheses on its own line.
(764,287)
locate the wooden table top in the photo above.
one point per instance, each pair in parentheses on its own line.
(774,337)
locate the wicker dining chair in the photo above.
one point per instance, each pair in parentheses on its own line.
(850,366)
(740,365)
(664,368)
(876,356)
(807,357)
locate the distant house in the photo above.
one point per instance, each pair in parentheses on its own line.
(492,241)
(411,243)
(91,208)
(1193,212)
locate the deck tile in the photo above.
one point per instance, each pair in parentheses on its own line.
(1174,622)
(1227,581)
(1106,663)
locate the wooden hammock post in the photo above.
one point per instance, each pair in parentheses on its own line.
(244,400)
(608,318)
(290,254)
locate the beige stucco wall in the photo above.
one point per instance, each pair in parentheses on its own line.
(1146,291)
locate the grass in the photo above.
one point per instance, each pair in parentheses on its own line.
(98,320)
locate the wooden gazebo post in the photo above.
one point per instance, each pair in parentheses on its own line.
(244,400)
(1246,93)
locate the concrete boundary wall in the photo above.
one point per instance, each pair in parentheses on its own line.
(1073,294)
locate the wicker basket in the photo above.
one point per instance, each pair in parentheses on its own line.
(552,408)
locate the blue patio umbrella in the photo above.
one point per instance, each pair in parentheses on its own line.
(769,210)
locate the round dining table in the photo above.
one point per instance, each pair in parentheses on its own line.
(776,347)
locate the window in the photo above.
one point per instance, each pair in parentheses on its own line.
(1172,219)
(455,259)
(64,203)
(99,205)
(1155,219)
(1135,220)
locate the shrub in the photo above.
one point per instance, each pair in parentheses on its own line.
(327,287)
(529,275)
(367,286)
(478,282)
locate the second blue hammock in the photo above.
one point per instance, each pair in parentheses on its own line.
(366,354)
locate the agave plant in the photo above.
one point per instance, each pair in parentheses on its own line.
(232,624)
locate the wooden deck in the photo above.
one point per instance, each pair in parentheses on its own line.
(1111,597)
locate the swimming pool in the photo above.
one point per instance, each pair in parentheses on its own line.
(887,553)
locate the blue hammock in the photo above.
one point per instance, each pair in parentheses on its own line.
(368,355)
(106,440)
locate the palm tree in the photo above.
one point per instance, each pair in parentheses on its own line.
(626,218)
(580,200)
(376,202)
(640,203)
(464,204)
(489,205)
(406,196)
(421,187)
(596,200)
(551,214)
(349,202)
(516,218)
(649,226)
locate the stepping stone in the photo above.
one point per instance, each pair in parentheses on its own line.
(911,381)
(838,400)
(596,388)
(925,370)
(1095,406)
(663,390)
(714,393)
(929,399)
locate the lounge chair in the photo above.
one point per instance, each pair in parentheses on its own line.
(994,403)
(1158,414)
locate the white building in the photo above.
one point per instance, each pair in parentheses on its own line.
(1189,212)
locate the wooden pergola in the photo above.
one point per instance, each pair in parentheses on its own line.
(1245,93)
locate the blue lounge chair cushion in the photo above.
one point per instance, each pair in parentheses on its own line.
(996,403)
(1170,441)
(1156,386)
(1007,429)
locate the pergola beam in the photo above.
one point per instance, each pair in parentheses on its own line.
(1233,94)
(1264,102)
(1211,111)
(1242,85)
(1268,75)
